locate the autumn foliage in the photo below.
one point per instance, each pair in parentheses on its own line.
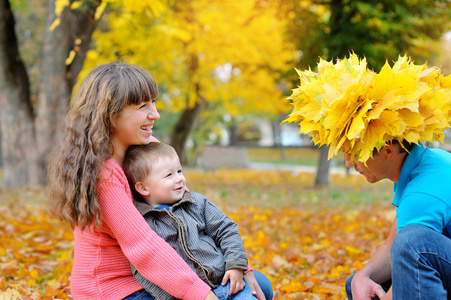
(349,107)
(307,241)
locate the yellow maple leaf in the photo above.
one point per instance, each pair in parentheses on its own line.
(293,286)
(348,107)
(10,294)
(445,81)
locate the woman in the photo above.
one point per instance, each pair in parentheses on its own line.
(114,109)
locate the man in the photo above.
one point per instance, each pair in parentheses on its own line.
(380,120)
(417,253)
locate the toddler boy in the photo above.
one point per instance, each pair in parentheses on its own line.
(201,234)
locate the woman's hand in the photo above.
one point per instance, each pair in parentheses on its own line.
(236,280)
(253,284)
(211,296)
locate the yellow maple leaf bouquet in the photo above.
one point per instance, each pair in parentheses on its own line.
(347,106)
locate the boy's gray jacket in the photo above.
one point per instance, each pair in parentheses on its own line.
(206,238)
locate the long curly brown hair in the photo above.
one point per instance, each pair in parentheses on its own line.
(88,140)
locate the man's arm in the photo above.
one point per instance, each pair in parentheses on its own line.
(366,282)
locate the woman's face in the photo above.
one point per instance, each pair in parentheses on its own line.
(133,126)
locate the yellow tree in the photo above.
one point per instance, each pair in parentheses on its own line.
(201,53)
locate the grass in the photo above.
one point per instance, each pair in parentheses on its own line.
(261,188)
(278,189)
(305,156)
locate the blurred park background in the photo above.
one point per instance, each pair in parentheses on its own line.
(224,70)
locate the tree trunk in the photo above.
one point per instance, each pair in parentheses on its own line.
(58,78)
(276,136)
(54,90)
(232,132)
(1,151)
(336,7)
(16,113)
(183,129)
(187,120)
(27,135)
(322,174)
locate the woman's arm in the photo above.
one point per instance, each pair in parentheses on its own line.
(253,284)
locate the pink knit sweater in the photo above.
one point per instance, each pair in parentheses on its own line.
(101,267)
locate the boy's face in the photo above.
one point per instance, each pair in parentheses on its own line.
(165,184)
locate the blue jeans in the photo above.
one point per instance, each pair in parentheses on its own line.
(222,292)
(263,282)
(139,295)
(421,264)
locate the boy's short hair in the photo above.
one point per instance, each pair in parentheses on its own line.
(140,159)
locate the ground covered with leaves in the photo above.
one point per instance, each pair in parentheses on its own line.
(306,240)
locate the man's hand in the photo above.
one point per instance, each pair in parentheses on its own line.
(364,284)
(363,288)
(388,296)
(253,284)
(236,280)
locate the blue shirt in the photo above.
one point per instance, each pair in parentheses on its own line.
(164,206)
(423,193)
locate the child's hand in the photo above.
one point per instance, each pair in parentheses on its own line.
(236,280)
